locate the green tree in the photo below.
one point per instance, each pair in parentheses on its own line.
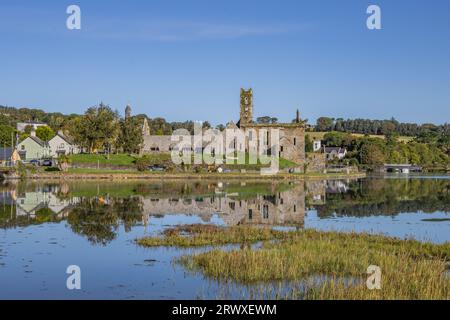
(64,162)
(28,128)
(45,133)
(130,137)
(372,153)
(7,133)
(444,143)
(324,124)
(159,126)
(309,145)
(143,163)
(338,139)
(264,119)
(98,128)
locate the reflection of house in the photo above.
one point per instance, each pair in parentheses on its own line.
(8,157)
(337,186)
(335,153)
(33,148)
(60,145)
(29,203)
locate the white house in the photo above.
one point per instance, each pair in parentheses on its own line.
(60,144)
(317,145)
(335,152)
(21,126)
(33,148)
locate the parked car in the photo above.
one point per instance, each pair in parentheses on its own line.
(47,163)
(34,162)
(157,168)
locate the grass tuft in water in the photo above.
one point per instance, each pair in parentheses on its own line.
(198,235)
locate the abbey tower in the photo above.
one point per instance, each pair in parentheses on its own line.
(246,114)
(292,135)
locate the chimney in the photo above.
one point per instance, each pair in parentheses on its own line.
(33,132)
(60,132)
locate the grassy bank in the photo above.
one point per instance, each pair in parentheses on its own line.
(112,174)
(119,160)
(410,269)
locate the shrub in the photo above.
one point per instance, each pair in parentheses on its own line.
(143,163)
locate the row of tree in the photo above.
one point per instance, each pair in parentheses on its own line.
(373,152)
(99,128)
(378,127)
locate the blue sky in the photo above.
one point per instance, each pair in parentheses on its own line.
(187,59)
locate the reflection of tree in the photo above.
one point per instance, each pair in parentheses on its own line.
(99,221)
(45,215)
(389,197)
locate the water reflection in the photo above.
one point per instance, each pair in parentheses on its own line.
(44,227)
(385,197)
(96,210)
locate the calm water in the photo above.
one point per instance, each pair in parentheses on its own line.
(45,227)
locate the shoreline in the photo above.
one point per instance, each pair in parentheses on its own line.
(184,176)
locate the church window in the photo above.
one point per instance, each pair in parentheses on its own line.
(266,211)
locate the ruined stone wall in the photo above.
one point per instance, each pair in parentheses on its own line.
(315,162)
(156,144)
(292,140)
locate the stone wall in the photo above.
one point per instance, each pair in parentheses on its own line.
(292,140)
(315,162)
(156,144)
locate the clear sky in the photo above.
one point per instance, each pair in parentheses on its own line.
(187,59)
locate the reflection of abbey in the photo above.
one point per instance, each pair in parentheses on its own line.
(285,206)
(281,208)
(291,135)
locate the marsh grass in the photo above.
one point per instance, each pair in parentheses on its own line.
(410,269)
(198,235)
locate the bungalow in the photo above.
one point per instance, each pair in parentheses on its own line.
(335,153)
(33,148)
(61,144)
(8,157)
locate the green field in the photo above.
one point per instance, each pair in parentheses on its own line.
(125,160)
(115,159)
(320,135)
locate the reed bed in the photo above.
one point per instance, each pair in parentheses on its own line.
(410,269)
